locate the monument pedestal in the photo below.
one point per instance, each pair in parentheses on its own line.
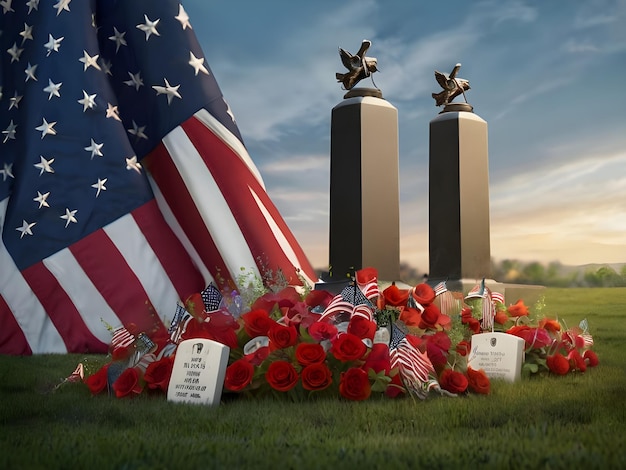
(364,188)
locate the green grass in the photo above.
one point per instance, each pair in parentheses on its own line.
(577,421)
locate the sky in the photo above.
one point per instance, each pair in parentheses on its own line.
(549,77)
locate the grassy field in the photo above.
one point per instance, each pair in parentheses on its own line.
(577,421)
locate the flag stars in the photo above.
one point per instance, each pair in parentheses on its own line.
(94,148)
(69,217)
(197,63)
(25,229)
(27,33)
(9,132)
(138,131)
(53,44)
(32,5)
(15,52)
(106,67)
(183,18)
(99,186)
(14,101)
(118,38)
(44,165)
(30,72)
(168,90)
(42,199)
(135,80)
(89,61)
(62,5)
(149,27)
(88,101)
(7,171)
(112,112)
(6,6)
(133,164)
(46,128)
(53,89)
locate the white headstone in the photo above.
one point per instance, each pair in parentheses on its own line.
(500,355)
(198,372)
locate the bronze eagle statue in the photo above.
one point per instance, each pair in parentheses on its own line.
(359,66)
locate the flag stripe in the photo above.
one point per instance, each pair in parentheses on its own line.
(12,339)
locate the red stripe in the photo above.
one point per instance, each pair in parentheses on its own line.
(117,283)
(234,178)
(174,190)
(12,339)
(61,310)
(169,250)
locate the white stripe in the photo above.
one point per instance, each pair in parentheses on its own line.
(229,139)
(132,244)
(38,329)
(210,204)
(92,307)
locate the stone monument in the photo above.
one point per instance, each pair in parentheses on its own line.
(364,188)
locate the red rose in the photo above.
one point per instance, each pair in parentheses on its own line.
(321,331)
(355,384)
(362,327)
(477,381)
(348,347)
(423,294)
(127,383)
(281,376)
(430,315)
(366,275)
(463,348)
(576,361)
(501,317)
(158,373)
(318,298)
(310,353)
(98,381)
(395,297)
(437,346)
(410,316)
(395,387)
(257,322)
(558,364)
(378,358)
(282,336)
(316,377)
(453,381)
(534,337)
(238,375)
(549,324)
(591,358)
(518,309)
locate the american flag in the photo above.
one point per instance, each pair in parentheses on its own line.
(124,182)
(488,310)
(352,301)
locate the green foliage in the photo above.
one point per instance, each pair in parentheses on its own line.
(575,421)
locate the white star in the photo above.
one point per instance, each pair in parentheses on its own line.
(15,52)
(94,149)
(149,27)
(106,67)
(44,165)
(32,5)
(135,80)
(88,101)
(41,199)
(138,131)
(25,229)
(99,186)
(112,112)
(6,6)
(62,5)
(69,216)
(14,101)
(9,132)
(118,38)
(169,90)
(53,44)
(27,33)
(30,72)
(197,63)
(183,18)
(53,89)
(133,164)
(89,61)
(7,171)
(46,128)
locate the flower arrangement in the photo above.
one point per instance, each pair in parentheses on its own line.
(364,342)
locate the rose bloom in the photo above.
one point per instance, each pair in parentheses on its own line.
(423,294)
(472,324)
(378,358)
(518,309)
(316,377)
(410,316)
(158,373)
(127,383)
(321,331)
(453,381)
(348,347)
(430,315)
(395,297)
(395,387)
(463,348)
(478,382)
(97,382)
(281,376)
(355,384)
(591,358)
(362,327)
(310,353)
(576,361)
(282,336)
(558,364)
(551,325)
(501,317)
(238,375)
(257,322)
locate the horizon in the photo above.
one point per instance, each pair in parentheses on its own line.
(544,78)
